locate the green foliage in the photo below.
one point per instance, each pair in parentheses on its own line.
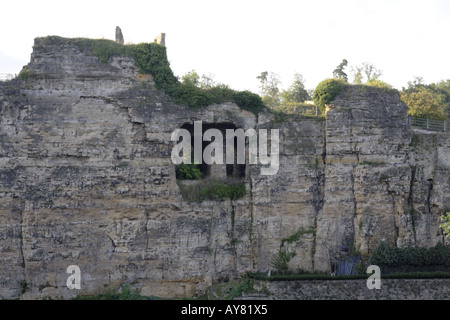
(281,116)
(445,225)
(268,87)
(152,58)
(424,102)
(368,70)
(294,237)
(339,73)
(245,285)
(249,101)
(191,77)
(305,276)
(203,82)
(213,189)
(379,84)
(296,93)
(222,93)
(326,91)
(188,172)
(280,261)
(196,92)
(23,286)
(442,91)
(190,95)
(125,294)
(25,73)
(103,49)
(410,259)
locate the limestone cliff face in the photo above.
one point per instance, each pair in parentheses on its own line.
(86,179)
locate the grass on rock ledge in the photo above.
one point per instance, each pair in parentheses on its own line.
(212,189)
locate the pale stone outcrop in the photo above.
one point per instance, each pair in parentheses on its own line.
(119,36)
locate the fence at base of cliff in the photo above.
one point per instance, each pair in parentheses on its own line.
(430,124)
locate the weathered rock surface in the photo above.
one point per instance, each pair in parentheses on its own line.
(86,179)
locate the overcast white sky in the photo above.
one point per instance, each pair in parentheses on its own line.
(237,40)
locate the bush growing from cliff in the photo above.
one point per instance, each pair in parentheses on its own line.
(152,58)
(222,93)
(280,261)
(188,172)
(445,225)
(213,189)
(25,73)
(248,101)
(125,294)
(326,91)
(190,95)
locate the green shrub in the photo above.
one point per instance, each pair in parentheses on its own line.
(249,101)
(244,285)
(103,49)
(188,172)
(294,237)
(445,225)
(280,261)
(324,276)
(23,286)
(125,294)
(410,259)
(152,58)
(326,91)
(190,95)
(25,73)
(222,93)
(379,84)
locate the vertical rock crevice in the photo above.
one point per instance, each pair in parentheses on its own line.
(411,211)
(20,211)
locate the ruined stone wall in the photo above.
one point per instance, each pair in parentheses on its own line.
(86,179)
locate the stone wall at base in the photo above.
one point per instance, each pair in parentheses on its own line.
(391,289)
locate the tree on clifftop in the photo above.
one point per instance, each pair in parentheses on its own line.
(427,101)
(339,73)
(269,91)
(296,93)
(368,70)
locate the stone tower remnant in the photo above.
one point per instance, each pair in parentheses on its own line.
(161,39)
(119,35)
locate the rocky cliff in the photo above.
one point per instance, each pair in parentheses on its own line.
(86,179)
